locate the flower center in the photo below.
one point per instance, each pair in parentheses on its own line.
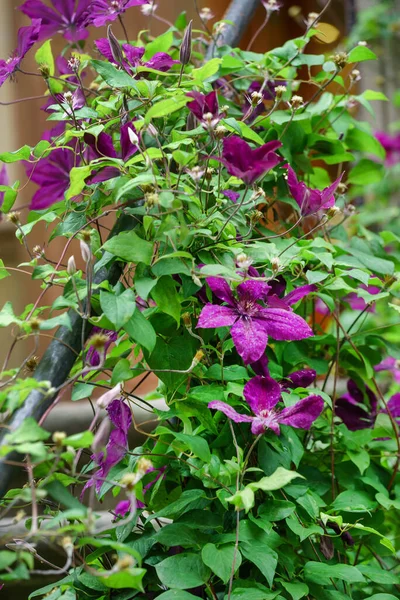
(247,307)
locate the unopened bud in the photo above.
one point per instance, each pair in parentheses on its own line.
(133,137)
(34,323)
(85,252)
(124,563)
(342,188)
(186,46)
(71,266)
(297,102)
(58,437)
(13,217)
(220,132)
(275,264)
(280,90)
(115,48)
(340,59)
(362,43)
(108,397)
(196,279)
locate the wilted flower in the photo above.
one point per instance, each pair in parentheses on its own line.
(263,394)
(69,17)
(248,164)
(310,200)
(251,322)
(271,5)
(27,36)
(103,11)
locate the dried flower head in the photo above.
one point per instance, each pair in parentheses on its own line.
(280,90)
(74,63)
(333,212)
(196,173)
(187,320)
(37,251)
(34,323)
(255,216)
(13,217)
(296,102)
(206,14)
(31,364)
(340,59)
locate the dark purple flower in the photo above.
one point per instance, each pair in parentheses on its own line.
(302,378)
(71,101)
(309,200)
(231,195)
(205,108)
(92,356)
(148,486)
(103,11)
(351,407)
(69,17)
(358,303)
(251,322)
(390,364)
(3,181)
(391,144)
(27,36)
(263,394)
(122,508)
(120,416)
(248,164)
(161,61)
(52,174)
(268,93)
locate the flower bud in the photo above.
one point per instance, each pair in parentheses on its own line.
(196,279)
(58,437)
(108,397)
(186,46)
(66,543)
(115,48)
(71,265)
(340,59)
(133,137)
(85,252)
(209,173)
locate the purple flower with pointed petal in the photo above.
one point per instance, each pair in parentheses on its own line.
(251,322)
(268,93)
(69,17)
(103,11)
(3,181)
(391,144)
(205,104)
(52,175)
(358,303)
(231,195)
(248,164)
(390,364)
(161,61)
(120,416)
(122,508)
(309,200)
(302,378)
(27,36)
(71,101)
(263,394)
(92,356)
(350,407)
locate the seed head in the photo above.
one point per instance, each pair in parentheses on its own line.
(98,341)
(280,90)
(37,251)
(297,102)
(209,173)
(34,323)
(13,217)
(340,59)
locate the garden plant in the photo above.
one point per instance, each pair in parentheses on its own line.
(214,207)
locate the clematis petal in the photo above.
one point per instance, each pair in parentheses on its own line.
(283,324)
(263,151)
(122,508)
(250,339)
(213,315)
(221,289)
(231,195)
(302,414)
(262,393)
(230,412)
(260,367)
(353,416)
(120,415)
(253,290)
(302,378)
(299,293)
(394,405)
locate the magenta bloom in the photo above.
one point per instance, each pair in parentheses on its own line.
(52,175)
(248,164)
(92,356)
(205,104)
(103,11)
(302,378)
(3,181)
(263,394)
(358,303)
(390,364)
(231,195)
(120,416)
(309,200)
(69,17)
(27,36)
(391,144)
(161,61)
(251,322)
(122,508)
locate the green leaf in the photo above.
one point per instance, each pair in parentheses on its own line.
(196,444)
(220,560)
(113,76)
(361,54)
(243,129)
(365,172)
(3,272)
(141,331)
(360,458)
(63,496)
(7,558)
(80,440)
(382,597)
(177,534)
(23,153)
(129,246)
(7,316)
(118,309)
(207,70)
(263,557)
(276,481)
(28,431)
(296,590)
(162,43)
(188,500)
(353,501)
(359,140)
(379,575)
(166,107)
(122,371)
(276,510)
(166,297)
(81,391)
(176,595)
(131,579)
(44,57)
(322,573)
(183,571)
(77,178)
(63,320)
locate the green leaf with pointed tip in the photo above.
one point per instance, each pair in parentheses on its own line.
(129,246)
(44,57)
(113,76)
(118,309)
(361,54)
(166,297)
(183,571)
(220,560)
(166,107)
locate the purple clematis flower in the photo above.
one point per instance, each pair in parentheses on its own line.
(268,93)
(205,108)
(358,303)
(302,378)
(93,357)
(390,364)
(263,394)
(122,508)
(251,322)
(27,36)
(231,195)
(248,164)
(309,200)
(52,175)
(161,61)
(391,144)
(120,416)
(3,181)
(69,17)
(103,11)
